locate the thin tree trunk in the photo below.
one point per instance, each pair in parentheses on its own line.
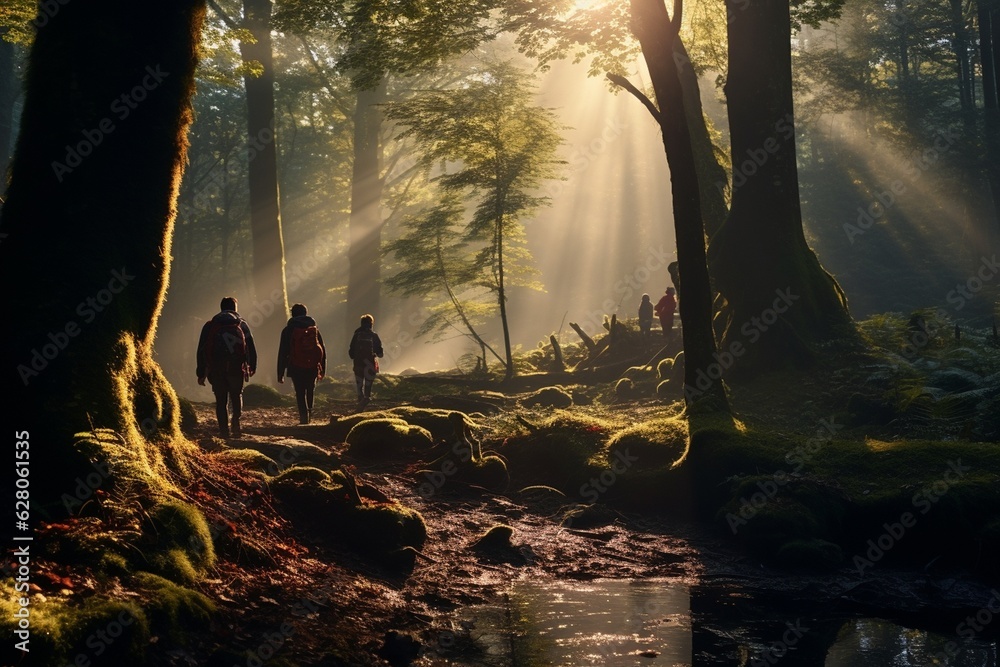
(652,27)
(87,254)
(502,299)
(991,114)
(364,256)
(271,298)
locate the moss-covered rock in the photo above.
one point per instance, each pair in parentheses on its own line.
(651,444)
(549,397)
(664,369)
(262,396)
(625,389)
(386,438)
(564,452)
(810,553)
(251,458)
(174,609)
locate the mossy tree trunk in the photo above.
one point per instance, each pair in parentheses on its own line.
(265,213)
(760,260)
(88,219)
(657,37)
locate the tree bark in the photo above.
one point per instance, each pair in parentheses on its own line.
(8,96)
(364,286)
(657,36)
(712,178)
(89,218)
(761,262)
(270,308)
(987,12)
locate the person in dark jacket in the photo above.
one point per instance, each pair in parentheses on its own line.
(365,347)
(302,354)
(227,358)
(645,315)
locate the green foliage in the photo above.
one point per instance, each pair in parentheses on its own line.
(174,608)
(17,21)
(392,37)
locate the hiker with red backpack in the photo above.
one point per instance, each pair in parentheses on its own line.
(302,354)
(365,347)
(227,358)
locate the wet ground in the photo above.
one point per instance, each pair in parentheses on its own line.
(637,590)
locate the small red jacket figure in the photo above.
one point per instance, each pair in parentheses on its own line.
(664,309)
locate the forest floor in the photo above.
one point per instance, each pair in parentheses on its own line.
(310,601)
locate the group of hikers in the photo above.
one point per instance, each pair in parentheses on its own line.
(227,358)
(664,310)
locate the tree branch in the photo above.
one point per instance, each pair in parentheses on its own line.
(621,81)
(222,15)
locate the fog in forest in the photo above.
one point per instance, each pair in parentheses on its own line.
(899,214)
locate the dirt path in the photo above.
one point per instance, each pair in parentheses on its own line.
(314,603)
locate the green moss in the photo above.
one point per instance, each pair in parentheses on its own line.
(172,608)
(625,389)
(497,537)
(654,443)
(262,396)
(189,418)
(664,369)
(250,458)
(549,397)
(182,546)
(59,632)
(489,472)
(564,452)
(383,438)
(637,373)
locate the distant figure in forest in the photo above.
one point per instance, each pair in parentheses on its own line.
(227,358)
(302,354)
(645,315)
(664,309)
(365,347)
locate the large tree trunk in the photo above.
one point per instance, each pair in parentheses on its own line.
(8,96)
(89,217)
(651,26)
(364,256)
(987,17)
(780,301)
(270,308)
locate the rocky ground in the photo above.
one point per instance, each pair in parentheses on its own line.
(304,600)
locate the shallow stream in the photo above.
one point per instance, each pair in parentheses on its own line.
(626,623)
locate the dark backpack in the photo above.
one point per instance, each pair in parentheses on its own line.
(306,351)
(227,345)
(364,345)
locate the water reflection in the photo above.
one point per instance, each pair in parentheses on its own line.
(631,623)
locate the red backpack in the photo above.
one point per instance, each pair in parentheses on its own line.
(227,345)
(305,352)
